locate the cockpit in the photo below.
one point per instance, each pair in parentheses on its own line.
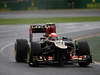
(55,38)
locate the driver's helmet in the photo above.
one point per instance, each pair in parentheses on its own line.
(53,35)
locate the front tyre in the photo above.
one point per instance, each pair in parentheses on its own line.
(84,50)
(21,50)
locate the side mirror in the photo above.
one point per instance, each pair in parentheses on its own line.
(42,38)
(64,38)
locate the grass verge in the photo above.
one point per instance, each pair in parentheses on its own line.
(94,44)
(45,20)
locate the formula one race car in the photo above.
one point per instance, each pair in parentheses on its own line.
(51,49)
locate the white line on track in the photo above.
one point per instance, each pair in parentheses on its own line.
(7,31)
(98,63)
(4,47)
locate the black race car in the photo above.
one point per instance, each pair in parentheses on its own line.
(51,48)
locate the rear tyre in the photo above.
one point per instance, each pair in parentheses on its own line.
(35,49)
(83,49)
(34,53)
(21,50)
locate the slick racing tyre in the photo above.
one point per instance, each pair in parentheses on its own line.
(83,49)
(21,50)
(34,53)
(35,49)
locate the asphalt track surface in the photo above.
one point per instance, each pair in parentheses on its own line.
(51,13)
(8,35)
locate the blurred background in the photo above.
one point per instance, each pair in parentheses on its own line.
(47,4)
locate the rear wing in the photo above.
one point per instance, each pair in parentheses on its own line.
(38,28)
(47,29)
(43,29)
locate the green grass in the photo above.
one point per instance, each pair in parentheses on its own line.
(45,20)
(94,43)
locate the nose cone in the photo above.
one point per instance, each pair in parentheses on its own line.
(60,44)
